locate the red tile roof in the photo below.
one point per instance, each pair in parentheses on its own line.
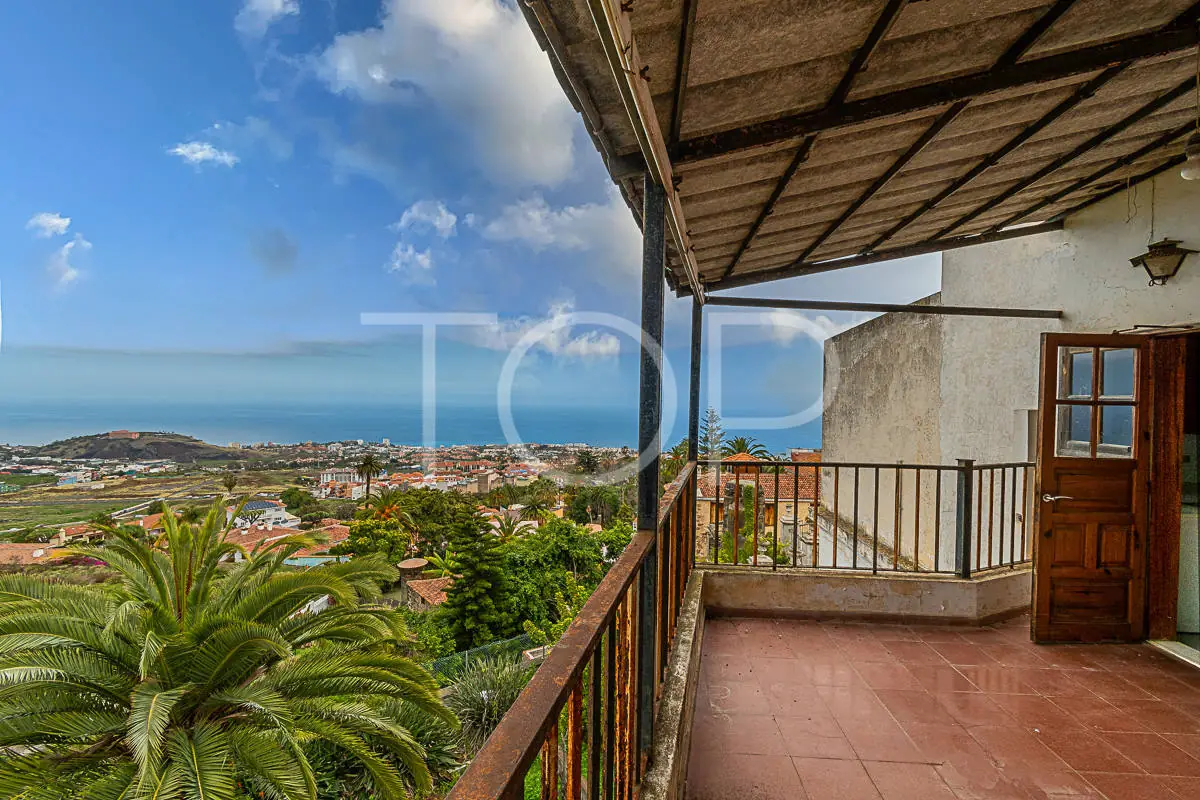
(739,457)
(806,456)
(804,484)
(431,590)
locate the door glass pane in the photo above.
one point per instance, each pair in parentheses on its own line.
(1074,433)
(1116,432)
(1117,372)
(1075,373)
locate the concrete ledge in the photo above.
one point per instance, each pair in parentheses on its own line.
(739,591)
(667,777)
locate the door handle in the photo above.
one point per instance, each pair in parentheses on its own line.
(1050,498)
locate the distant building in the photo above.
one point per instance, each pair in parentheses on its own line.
(263,512)
(123,434)
(422,595)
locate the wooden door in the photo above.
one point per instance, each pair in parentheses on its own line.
(1092,510)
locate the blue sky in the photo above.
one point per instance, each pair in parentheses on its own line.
(200,196)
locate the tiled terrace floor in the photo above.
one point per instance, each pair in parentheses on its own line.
(794,709)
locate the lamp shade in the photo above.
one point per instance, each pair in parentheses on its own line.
(1191,167)
(1162,261)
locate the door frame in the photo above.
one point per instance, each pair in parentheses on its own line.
(1039,622)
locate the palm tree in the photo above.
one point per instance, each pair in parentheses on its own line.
(747,445)
(369,467)
(388,504)
(181,684)
(441,566)
(536,510)
(191,515)
(508,528)
(229,481)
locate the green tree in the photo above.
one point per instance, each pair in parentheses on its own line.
(444,566)
(587,462)
(712,435)
(389,504)
(508,528)
(477,607)
(434,514)
(368,536)
(368,467)
(673,462)
(567,604)
(229,481)
(298,500)
(745,444)
(180,684)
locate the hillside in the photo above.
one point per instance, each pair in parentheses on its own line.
(147,446)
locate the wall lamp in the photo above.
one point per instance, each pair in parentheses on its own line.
(1162,261)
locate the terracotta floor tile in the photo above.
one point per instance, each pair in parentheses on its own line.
(918,706)
(730,697)
(745,735)
(789,699)
(1160,716)
(854,703)
(876,741)
(768,671)
(995,679)
(1187,743)
(962,763)
(1115,786)
(893,675)
(895,633)
(907,781)
(937,633)
(1010,655)
(766,645)
(1086,752)
(1035,711)
(974,709)
(722,666)
(915,653)
(1054,682)
(962,654)
(1153,753)
(866,650)
(829,778)
(944,678)
(814,737)
(744,776)
(1113,687)
(1097,714)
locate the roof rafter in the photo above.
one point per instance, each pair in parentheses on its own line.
(1173,161)
(1175,38)
(921,248)
(863,54)
(1010,56)
(1093,141)
(1132,158)
(682,64)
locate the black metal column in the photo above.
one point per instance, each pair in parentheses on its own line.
(649,448)
(694,385)
(962,517)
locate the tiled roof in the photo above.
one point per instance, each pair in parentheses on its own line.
(431,590)
(249,538)
(804,484)
(739,457)
(806,456)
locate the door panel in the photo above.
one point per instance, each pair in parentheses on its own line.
(1093,443)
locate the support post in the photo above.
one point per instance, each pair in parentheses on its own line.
(694,385)
(649,449)
(962,517)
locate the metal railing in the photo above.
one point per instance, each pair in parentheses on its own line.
(584,725)
(877,517)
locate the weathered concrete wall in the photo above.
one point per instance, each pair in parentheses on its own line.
(882,400)
(833,594)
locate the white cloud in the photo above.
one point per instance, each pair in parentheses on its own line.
(251,133)
(479,63)
(786,325)
(605,230)
(558,337)
(198,153)
(426,214)
(59,265)
(256,16)
(414,266)
(46,224)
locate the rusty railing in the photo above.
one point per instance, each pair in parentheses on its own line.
(877,517)
(584,725)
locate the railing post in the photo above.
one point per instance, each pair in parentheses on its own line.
(649,448)
(962,516)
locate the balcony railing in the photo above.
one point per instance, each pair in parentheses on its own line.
(876,517)
(584,723)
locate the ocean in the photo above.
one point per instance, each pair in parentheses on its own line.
(222,423)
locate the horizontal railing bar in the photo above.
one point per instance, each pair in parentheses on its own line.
(816,465)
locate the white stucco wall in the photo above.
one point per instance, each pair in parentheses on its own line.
(933,390)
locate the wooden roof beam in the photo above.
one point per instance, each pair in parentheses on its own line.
(1010,56)
(921,248)
(1175,38)
(683,62)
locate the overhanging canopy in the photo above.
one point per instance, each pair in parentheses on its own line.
(808,135)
